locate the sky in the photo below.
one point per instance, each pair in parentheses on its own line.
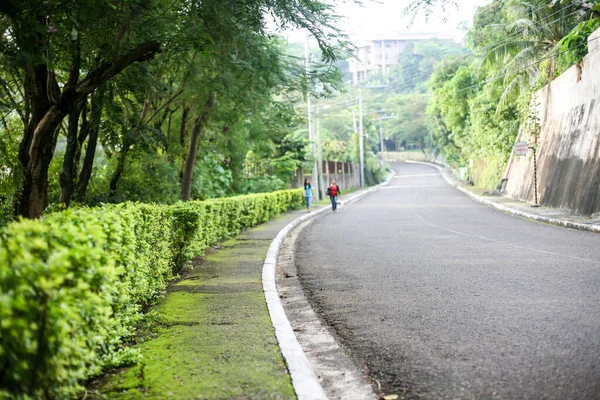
(376,18)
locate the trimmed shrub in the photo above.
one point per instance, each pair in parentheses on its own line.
(74,285)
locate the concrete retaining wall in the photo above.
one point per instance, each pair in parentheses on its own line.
(346,174)
(405,156)
(569,142)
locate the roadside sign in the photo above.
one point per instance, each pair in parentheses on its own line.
(521,148)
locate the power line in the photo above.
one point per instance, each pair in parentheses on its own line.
(335,105)
(508,39)
(418,78)
(342,104)
(499,76)
(497,44)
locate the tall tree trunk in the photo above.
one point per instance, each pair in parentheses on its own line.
(34,181)
(199,123)
(83,131)
(35,154)
(67,176)
(183,127)
(421,145)
(91,131)
(114,180)
(49,108)
(42,147)
(169,125)
(183,136)
(237,151)
(87,167)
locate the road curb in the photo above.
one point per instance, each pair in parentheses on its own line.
(551,221)
(304,379)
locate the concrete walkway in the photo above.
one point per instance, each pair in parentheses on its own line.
(212,337)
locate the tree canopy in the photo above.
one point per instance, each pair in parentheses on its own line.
(516,47)
(146,86)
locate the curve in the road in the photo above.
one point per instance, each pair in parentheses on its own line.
(442,297)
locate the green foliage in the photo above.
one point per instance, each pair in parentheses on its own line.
(74,285)
(416,62)
(477,108)
(467,126)
(373,173)
(264,184)
(9,173)
(54,307)
(147,178)
(573,46)
(410,125)
(488,171)
(337,150)
(524,48)
(135,77)
(212,177)
(394,105)
(491,134)
(485,26)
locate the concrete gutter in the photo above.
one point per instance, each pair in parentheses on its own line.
(304,379)
(509,210)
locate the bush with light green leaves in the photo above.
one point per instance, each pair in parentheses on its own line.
(74,285)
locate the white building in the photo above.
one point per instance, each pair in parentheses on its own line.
(377,55)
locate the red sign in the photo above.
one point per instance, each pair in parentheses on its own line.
(521,148)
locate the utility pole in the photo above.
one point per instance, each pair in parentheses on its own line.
(381,143)
(355,126)
(361,129)
(320,156)
(360,137)
(380,119)
(314,177)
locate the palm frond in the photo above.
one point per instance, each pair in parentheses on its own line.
(511,91)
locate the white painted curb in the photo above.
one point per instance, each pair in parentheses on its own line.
(552,221)
(305,381)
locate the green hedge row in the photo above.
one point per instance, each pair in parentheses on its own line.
(74,285)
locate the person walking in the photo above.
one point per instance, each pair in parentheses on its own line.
(334,193)
(307,193)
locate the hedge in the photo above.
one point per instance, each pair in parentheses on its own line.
(74,285)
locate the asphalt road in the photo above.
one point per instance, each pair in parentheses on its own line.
(443,298)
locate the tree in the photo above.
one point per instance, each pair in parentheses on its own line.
(48,43)
(533,31)
(57,54)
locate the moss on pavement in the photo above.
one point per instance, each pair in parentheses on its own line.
(212,338)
